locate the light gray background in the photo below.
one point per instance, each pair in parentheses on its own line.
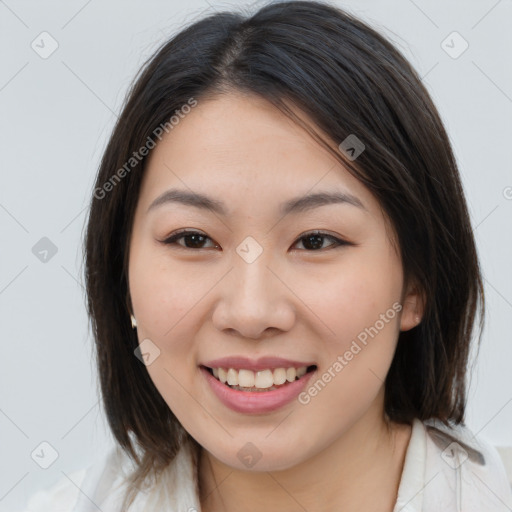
(55,117)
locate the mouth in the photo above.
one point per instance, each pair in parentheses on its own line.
(258,381)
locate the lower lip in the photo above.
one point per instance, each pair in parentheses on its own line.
(257,401)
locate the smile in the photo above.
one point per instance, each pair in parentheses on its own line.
(251,399)
(263,380)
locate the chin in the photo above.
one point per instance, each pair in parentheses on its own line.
(250,458)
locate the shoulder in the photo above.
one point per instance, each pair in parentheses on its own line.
(450,468)
(61,497)
(104,484)
(69,491)
(457,446)
(463,469)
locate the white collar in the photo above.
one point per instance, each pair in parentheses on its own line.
(410,497)
(429,481)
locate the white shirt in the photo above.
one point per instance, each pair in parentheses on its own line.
(445,470)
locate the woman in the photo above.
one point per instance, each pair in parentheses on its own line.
(283,282)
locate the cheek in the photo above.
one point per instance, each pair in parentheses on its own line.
(175,381)
(363,311)
(369,322)
(353,296)
(163,293)
(163,299)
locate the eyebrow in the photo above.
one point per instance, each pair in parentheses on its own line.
(295,205)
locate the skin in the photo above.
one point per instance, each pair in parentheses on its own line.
(337,452)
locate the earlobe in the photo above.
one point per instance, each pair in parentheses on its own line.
(413,308)
(130,310)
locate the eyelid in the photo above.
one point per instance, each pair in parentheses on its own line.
(170,240)
(337,241)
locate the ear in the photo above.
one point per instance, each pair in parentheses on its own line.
(413,308)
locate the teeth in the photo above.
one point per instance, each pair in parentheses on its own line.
(246,378)
(263,379)
(291,373)
(279,376)
(232,377)
(223,375)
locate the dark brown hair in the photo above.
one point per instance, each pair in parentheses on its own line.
(348,79)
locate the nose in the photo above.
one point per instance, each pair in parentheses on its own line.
(254,301)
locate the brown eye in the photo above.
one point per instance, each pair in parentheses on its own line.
(193,239)
(314,241)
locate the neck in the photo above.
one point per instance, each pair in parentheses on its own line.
(361,470)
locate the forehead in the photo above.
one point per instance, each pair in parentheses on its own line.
(243,148)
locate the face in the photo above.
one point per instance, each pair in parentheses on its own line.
(275,289)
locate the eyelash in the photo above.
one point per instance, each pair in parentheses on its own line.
(171,240)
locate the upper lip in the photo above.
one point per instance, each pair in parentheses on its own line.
(262,363)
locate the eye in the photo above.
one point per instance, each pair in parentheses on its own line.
(195,239)
(313,240)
